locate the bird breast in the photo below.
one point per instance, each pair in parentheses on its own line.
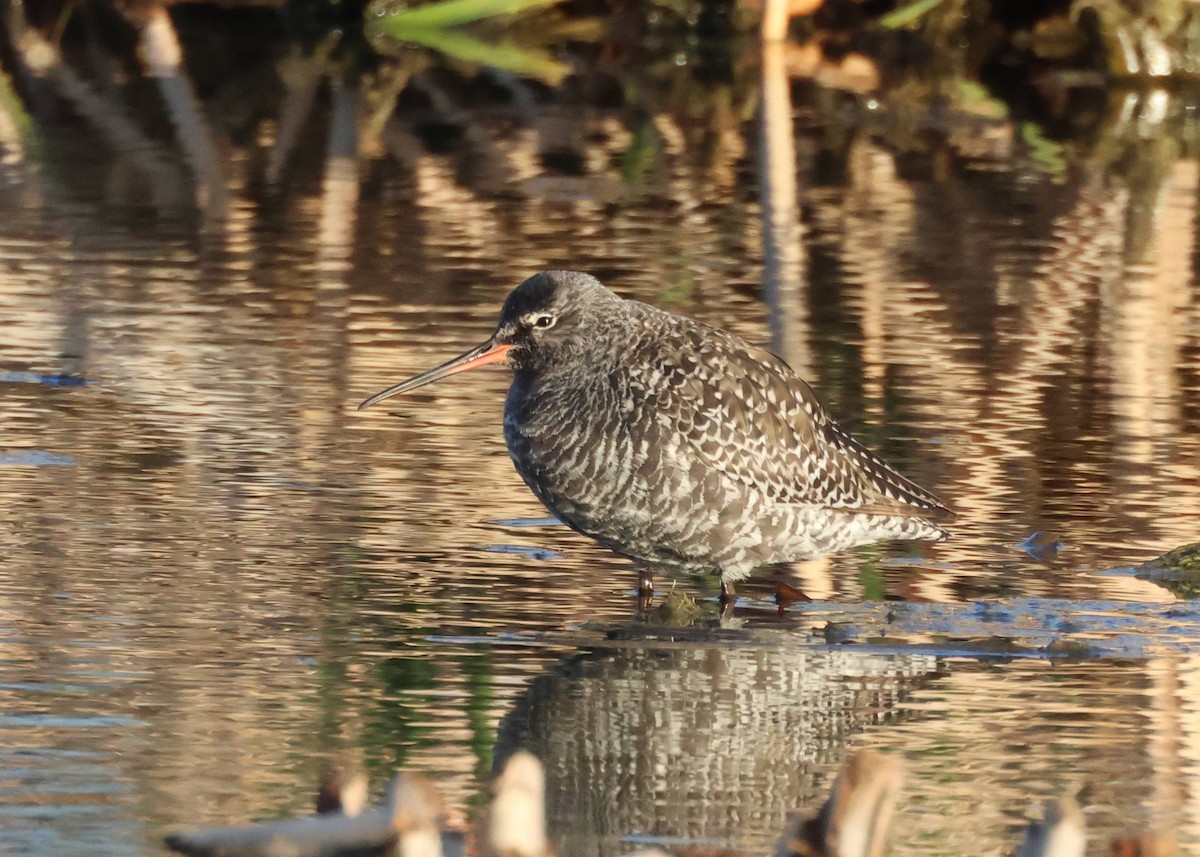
(604,453)
(571,441)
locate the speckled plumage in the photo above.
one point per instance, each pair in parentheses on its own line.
(682,446)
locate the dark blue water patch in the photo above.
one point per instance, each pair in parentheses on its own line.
(51,380)
(51,811)
(35,458)
(53,754)
(524,550)
(1037,627)
(943,651)
(57,721)
(903,561)
(550,521)
(487,640)
(45,687)
(651,839)
(29,786)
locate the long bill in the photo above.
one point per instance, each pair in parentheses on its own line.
(481,355)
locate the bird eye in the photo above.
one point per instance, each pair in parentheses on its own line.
(544,321)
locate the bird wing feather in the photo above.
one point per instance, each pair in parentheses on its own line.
(748,415)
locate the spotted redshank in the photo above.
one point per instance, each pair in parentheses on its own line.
(676,444)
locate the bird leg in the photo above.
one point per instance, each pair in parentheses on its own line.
(645,582)
(645,588)
(728,596)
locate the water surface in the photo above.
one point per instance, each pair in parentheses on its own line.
(217,574)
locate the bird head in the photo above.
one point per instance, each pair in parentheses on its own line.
(546,319)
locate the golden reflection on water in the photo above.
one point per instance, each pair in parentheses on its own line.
(227,574)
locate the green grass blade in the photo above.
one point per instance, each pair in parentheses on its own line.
(447,13)
(462,46)
(906,15)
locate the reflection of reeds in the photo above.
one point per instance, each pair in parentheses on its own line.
(907,323)
(340,183)
(1141,328)
(163,56)
(42,62)
(783,242)
(301,77)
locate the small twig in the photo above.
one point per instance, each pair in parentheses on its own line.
(1061,833)
(407,824)
(343,790)
(515,823)
(854,821)
(416,816)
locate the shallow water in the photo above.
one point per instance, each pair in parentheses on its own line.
(217,575)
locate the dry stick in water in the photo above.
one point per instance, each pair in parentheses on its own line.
(343,790)
(515,823)
(1062,833)
(417,813)
(854,821)
(407,824)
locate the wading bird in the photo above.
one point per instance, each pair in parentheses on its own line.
(676,444)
